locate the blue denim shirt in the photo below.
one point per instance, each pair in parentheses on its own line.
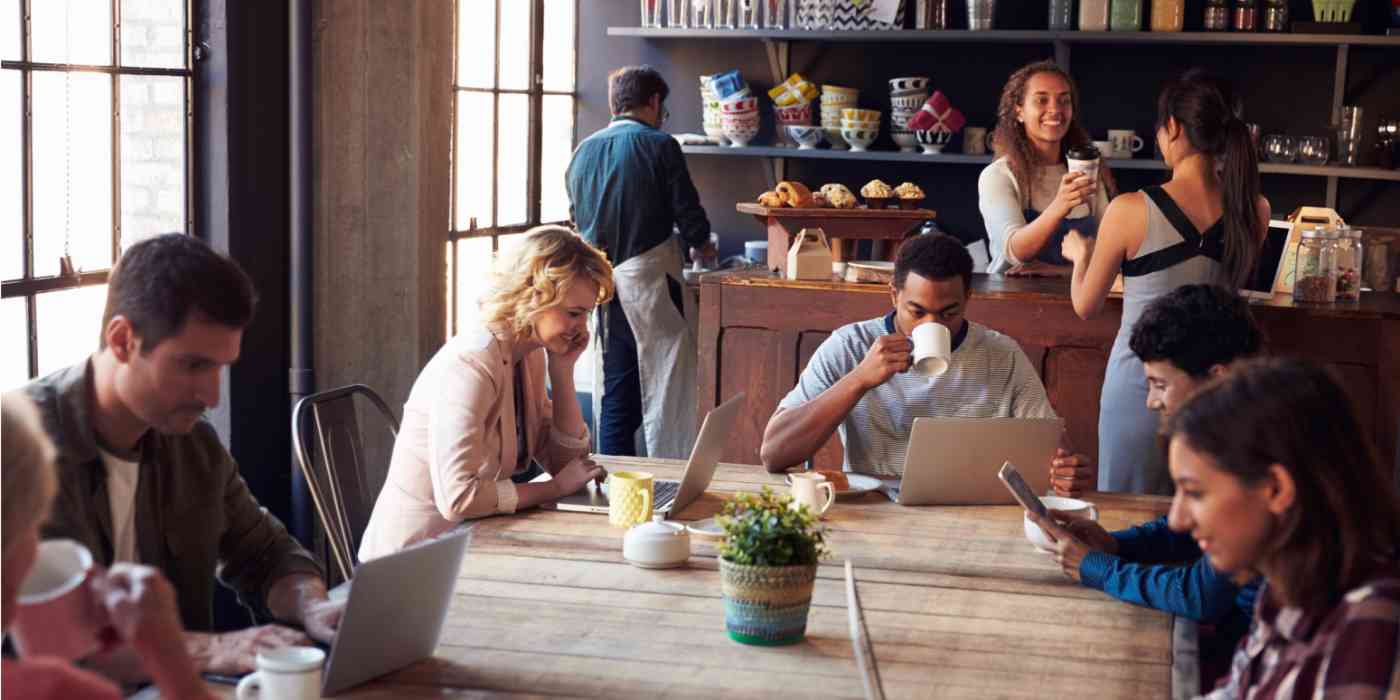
(628,184)
(1196,590)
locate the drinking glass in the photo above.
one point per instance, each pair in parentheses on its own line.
(1125,16)
(702,13)
(725,11)
(931,14)
(1061,15)
(775,14)
(678,13)
(1280,148)
(750,14)
(980,13)
(1313,150)
(651,13)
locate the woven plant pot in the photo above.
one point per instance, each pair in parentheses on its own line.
(766,605)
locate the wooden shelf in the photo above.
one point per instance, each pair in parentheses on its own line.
(1341,171)
(1017,36)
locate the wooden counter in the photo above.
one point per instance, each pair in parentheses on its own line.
(758,331)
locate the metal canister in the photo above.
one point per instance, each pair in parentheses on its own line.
(1275,15)
(1246,17)
(1217,16)
(931,14)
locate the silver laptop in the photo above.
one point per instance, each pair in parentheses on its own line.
(388,625)
(954,461)
(668,495)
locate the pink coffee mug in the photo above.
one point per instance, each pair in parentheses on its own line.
(57,615)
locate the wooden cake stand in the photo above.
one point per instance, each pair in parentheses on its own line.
(841,226)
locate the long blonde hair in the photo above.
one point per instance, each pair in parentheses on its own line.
(26,469)
(537,276)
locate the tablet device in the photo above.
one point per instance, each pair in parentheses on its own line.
(1018,487)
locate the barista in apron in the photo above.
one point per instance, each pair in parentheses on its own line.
(631,195)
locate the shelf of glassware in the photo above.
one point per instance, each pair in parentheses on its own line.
(998,36)
(1343,171)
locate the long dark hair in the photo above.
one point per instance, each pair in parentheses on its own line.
(1346,515)
(1009,138)
(1206,109)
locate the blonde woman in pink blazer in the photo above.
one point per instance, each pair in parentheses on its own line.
(478,413)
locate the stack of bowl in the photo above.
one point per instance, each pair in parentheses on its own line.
(739,118)
(792,106)
(714,127)
(860,127)
(907,96)
(834,99)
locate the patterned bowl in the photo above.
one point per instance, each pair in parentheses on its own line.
(933,141)
(904,139)
(861,115)
(740,129)
(743,104)
(908,85)
(860,139)
(834,137)
(865,126)
(807,137)
(910,102)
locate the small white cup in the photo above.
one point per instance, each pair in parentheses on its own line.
(933,349)
(1072,508)
(1107,149)
(807,488)
(1125,142)
(56,614)
(284,673)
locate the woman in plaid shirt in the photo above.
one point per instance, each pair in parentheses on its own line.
(1275,477)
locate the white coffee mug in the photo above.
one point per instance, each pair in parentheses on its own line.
(1107,149)
(285,673)
(933,349)
(56,614)
(975,141)
(1072,508)
(1125,142)
(807,488)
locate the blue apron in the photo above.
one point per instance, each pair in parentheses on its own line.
(1050,254)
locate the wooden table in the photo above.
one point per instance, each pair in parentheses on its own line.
(957,603)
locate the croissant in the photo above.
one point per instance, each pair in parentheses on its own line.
(795,194)
(771,199)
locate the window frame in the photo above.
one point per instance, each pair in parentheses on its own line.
(535,95)
(28,286)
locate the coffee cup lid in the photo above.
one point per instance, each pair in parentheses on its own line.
(1084,152)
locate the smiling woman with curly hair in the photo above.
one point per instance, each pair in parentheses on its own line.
(1028,198)
(479,412)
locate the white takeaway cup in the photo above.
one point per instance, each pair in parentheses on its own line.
(933,349)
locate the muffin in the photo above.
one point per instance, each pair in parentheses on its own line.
(838,196)
(909,195)
(877,194)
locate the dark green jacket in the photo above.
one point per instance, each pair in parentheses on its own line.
(195,518)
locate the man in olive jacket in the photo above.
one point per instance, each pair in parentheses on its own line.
(143,478)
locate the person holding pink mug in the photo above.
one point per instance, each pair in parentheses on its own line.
(57,605)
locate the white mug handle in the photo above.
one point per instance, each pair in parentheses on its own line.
(1138,143)
(1093,512)
(246,687)
(830,495)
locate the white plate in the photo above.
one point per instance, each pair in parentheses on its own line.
(860,484)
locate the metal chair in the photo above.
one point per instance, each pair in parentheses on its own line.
(331,449)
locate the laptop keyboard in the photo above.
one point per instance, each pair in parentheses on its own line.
(665,492)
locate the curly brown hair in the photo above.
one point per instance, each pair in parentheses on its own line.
(1009,138)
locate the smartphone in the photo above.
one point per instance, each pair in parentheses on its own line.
(1021,490)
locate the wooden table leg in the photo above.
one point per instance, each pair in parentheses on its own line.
(838,250)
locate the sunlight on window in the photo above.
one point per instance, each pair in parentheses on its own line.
(70,31)
(14,352)
(557,148)
(9,30)
(153,156)
(473,279)
(72,193)
(11,169)
(70,322)
(559,46)
(513,161)
(153,33)
(475,131)
(514,66)
(476,44)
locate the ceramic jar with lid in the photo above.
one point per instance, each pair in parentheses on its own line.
(657,544)
(1315,267)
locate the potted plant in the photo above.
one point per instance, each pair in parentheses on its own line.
(768,567)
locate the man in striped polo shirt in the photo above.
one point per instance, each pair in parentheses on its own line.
(857,382)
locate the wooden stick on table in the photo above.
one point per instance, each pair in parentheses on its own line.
(860,640)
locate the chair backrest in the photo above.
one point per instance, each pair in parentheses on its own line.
(342,462)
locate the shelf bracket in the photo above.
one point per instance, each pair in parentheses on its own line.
(778,52)
(1062,54)
(1339,90)
(775,169)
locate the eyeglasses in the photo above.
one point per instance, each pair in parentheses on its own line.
(665,114)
